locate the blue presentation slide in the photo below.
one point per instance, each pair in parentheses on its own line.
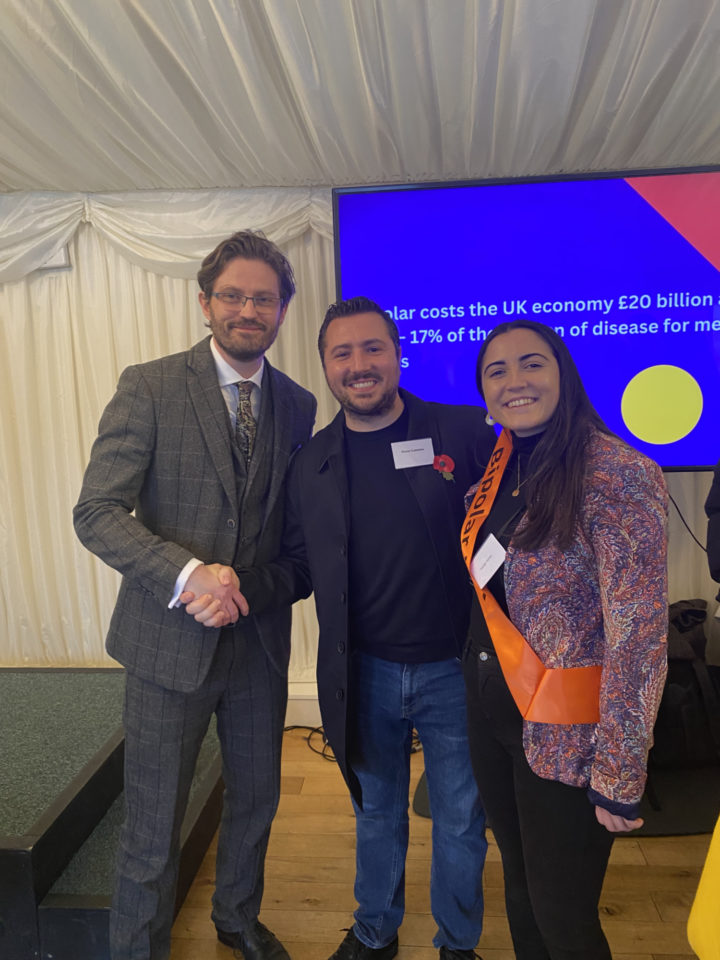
(626,269)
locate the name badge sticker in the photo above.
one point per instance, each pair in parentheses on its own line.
(412,453)
(489,558)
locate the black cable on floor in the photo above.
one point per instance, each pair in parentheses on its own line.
(326,751)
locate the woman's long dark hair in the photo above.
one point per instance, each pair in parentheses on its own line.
(553,490)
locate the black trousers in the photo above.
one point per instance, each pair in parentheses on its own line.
(554,852)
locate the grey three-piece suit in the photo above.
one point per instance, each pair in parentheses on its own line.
(165,450)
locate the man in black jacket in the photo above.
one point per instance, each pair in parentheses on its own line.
(375,506)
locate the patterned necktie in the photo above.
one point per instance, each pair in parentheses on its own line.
(245,425)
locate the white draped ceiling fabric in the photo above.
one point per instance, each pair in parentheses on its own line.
(135,134)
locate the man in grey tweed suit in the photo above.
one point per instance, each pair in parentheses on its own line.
(185,485)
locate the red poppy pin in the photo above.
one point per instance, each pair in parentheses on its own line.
(444,465)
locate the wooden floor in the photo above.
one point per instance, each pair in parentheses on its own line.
(309,901)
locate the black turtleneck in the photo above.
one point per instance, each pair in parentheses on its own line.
(501,521)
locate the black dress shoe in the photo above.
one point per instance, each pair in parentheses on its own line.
(447,953)
(353,949)
(256,943)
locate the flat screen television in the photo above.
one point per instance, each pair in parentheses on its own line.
(625,266)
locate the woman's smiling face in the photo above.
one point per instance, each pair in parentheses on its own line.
(520,381)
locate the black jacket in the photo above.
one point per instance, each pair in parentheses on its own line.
(315,548)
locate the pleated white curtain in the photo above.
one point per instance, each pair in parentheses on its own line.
(129,295)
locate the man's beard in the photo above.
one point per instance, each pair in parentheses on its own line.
(263,337)
(382,405)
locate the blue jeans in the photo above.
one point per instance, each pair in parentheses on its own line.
(387,701)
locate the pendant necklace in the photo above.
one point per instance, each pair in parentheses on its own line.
(516,491)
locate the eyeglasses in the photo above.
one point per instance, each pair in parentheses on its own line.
(263,304)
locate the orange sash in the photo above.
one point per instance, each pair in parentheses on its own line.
(542,694)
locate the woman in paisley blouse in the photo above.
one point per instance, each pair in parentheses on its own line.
(578,564)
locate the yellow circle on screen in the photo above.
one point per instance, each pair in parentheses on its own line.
(661,404)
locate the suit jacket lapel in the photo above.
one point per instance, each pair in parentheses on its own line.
(211,412)
(283,413)
(265,437)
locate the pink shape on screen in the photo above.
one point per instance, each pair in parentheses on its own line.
(690,202)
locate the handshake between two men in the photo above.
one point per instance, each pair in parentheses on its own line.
(212,595)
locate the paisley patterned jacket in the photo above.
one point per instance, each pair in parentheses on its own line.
(601,601)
